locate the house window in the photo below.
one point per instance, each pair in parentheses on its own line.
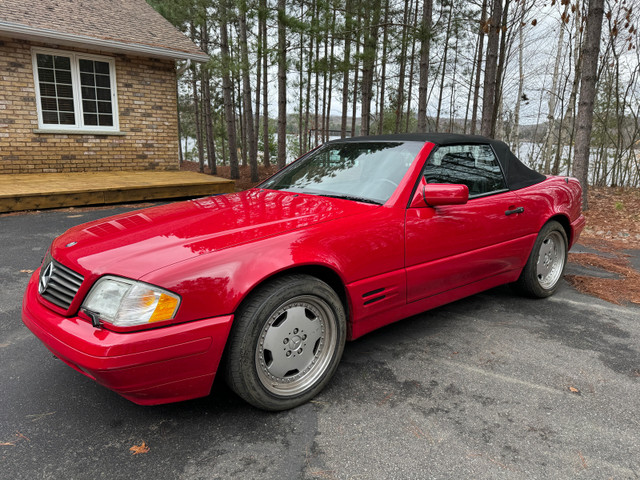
(75,91)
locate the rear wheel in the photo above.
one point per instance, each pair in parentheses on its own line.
(542,273)
(286,342)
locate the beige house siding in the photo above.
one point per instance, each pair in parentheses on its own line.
(146,95)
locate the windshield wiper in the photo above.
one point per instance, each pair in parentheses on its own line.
(350,197)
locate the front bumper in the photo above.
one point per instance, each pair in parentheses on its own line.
(148,367)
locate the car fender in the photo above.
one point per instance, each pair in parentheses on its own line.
(555,198)
(216,283)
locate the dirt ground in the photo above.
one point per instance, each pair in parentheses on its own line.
(613,227)
(613,233)
(613,217)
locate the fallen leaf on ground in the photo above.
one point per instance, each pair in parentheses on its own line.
(26,271)
(38,416)
(4,444)
(614,290)
(574,390)
(582,459)
(137,449)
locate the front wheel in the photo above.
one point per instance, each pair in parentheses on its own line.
(544,268)
(286,342)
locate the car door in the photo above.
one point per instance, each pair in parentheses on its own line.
(451,246)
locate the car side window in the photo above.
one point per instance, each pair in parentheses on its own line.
(475,166)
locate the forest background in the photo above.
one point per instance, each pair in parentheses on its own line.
(556,80)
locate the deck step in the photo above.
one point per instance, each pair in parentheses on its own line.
(54,190)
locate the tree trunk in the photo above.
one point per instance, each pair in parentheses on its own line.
(196,108)
(345,69)
(444,66)
(331,74)
(265,86)
(487,124)
(307,107)
(180,150)
(325,74)
(425,43)
(316,67)
(282,85)
(198,123)
(571,107)
(412,60)
(452,98)
(403,69)
(588,79)
(474,67)
(383,75)
(354,106)
(242,142)
(259,49)
(476,92)
(368,63)
(502,60)
(227,87)
(208,121)
(246,94)
(206,100)
(553,94)
(515,144)
(301,132)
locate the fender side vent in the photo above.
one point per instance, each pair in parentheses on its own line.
(374,299)
(373,292)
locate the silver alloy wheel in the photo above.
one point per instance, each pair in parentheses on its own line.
(296,345)
(551,258)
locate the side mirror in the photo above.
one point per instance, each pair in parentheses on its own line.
(435,194)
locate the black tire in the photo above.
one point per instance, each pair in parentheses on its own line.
(286,342)
(544,268)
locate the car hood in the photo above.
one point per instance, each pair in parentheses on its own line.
(136,243)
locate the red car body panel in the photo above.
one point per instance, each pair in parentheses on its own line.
(391,261)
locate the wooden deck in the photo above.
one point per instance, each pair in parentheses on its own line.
(54,190)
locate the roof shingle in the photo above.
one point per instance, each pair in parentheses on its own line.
(119,24)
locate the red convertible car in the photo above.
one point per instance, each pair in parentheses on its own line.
(266,285)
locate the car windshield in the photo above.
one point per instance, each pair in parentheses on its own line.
(362,171)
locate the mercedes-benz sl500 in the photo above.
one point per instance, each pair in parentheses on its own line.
(265,286)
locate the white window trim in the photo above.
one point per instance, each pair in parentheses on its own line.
(79,126)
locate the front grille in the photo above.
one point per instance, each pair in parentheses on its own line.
(59,284)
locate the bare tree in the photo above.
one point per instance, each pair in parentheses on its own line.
(196,107)
(282,84)
(246,93)
(206,101)
(227,88)
(265,87)
(372,19)
(488,123)
(588,78)
(425,43)
(479,58)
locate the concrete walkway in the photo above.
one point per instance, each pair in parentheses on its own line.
(54,190)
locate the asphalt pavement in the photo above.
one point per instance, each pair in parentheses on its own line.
(492,386)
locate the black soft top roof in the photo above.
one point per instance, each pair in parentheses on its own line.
(516,173)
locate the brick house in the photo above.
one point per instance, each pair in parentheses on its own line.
(88,86)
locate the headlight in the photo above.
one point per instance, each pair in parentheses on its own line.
(125,303)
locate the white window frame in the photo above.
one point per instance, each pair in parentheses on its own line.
(79,126)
